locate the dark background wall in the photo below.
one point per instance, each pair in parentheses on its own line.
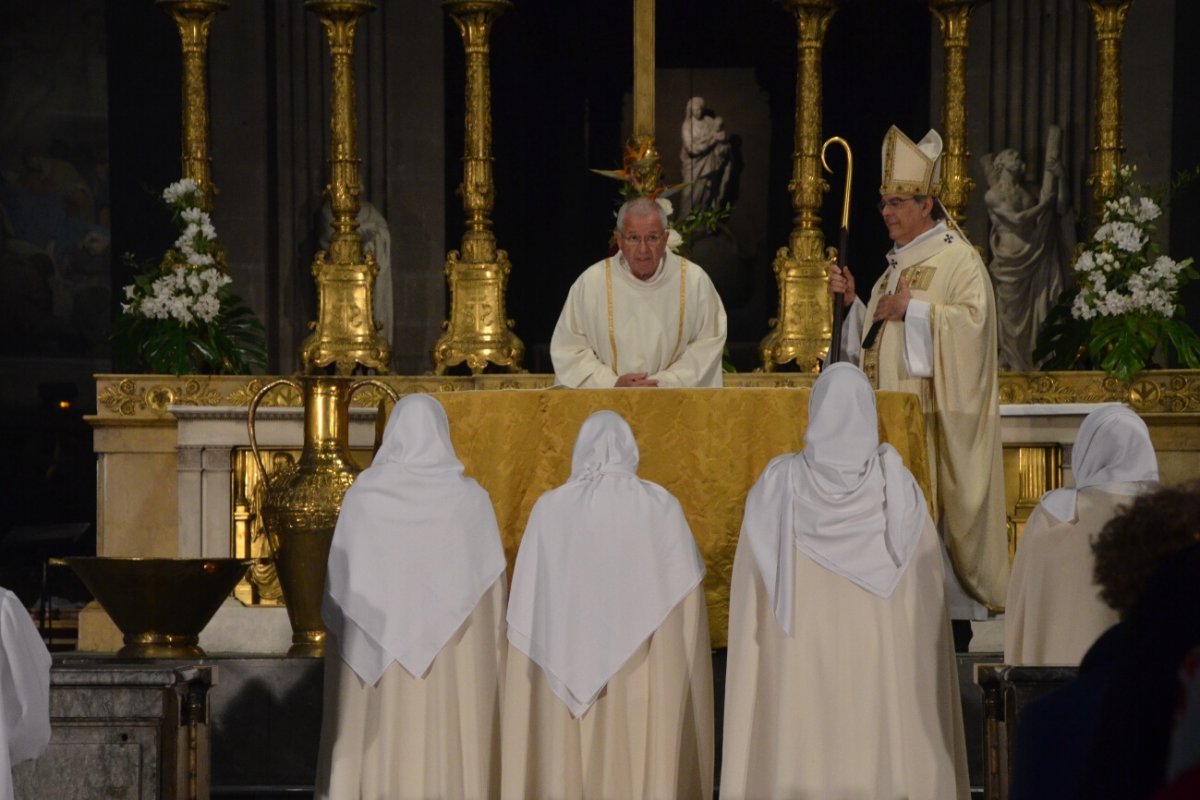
(562,75)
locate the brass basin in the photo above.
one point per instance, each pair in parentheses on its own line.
(160,604)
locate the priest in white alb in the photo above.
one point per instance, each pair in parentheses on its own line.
(642,318)
(841,680)
(608,690)
(1054,611)
(930,329)
(414,603)
(24,690)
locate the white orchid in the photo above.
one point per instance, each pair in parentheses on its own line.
(179,190)
(674,240)
(186,288)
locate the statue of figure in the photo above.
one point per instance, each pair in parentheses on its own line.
(376,238)
(704,157)
(263,575)
(1030,247)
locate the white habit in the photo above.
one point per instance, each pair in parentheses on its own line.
(1054,612)
(414,603)
(672,326)
(24,690)
(841,679)
(608,689)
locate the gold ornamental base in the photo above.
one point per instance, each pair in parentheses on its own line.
(801,332)
(478,332)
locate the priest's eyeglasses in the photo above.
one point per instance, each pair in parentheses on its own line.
(652,239)
(893,202)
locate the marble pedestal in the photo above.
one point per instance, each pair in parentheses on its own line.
(123,730)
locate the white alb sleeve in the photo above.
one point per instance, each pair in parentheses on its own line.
(918,339)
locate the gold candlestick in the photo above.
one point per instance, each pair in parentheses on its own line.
(1109,19)
(953,17)
(801,331)
(345,333)
(478,331)
(194,17)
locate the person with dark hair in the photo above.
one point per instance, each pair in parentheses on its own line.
(1057,731)
(1153,569)
(929,328)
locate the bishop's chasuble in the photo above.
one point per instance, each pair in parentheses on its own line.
(944,351)
(671,327)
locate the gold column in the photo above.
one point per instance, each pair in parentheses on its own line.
(953,17)
(801,331)
(345,333)
(1109,19)
(645,165)
(194,17)
(478,331)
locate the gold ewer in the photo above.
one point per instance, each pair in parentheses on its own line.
(301,502)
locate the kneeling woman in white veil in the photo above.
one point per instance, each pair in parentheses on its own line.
(841,677)
(414,603)
(608,690)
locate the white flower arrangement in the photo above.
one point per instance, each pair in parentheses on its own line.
(187,288)
(1126,297)
(674,237)
(1121,271)
(181,317)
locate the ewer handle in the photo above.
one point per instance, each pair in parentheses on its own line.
(254,411)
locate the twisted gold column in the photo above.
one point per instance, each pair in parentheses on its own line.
(478,331)
(953,17)
(801,331)
(345,333)
(1109,19)
(194,17)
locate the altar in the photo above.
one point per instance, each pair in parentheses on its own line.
(175,476)
(706,446)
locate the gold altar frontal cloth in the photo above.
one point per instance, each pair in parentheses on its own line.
(706,446)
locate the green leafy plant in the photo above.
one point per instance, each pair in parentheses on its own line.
(1125,302)
(181,316)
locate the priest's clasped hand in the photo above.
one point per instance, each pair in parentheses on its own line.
(636,380)
(894,306)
